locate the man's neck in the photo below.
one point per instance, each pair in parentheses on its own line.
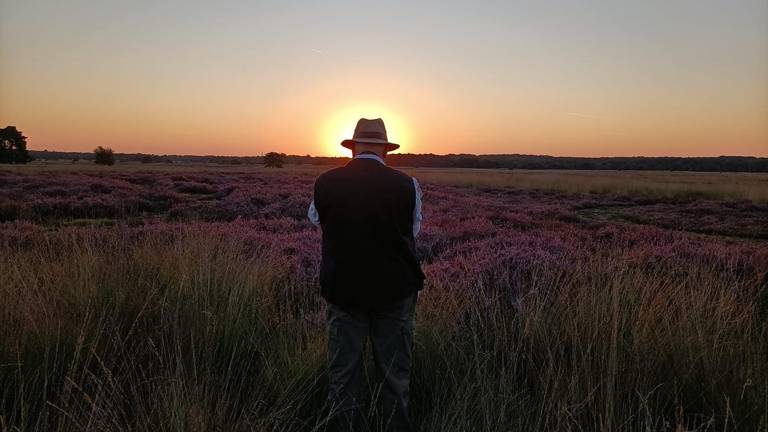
(370,155)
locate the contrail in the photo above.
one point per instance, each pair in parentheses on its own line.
(584,115)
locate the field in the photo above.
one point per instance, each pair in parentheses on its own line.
(170,298)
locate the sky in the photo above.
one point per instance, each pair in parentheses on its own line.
(564,78)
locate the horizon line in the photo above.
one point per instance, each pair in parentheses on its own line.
(404,154)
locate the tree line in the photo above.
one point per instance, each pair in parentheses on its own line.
(13,149)
(533,162)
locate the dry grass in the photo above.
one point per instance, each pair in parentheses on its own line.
(721,186)
(670,184)
(194,326)
(107,332)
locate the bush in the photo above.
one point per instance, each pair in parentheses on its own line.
(104,156)
(274,160)
(13,146)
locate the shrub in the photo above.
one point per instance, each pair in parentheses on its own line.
(13,146)
(104,155)
(274,160)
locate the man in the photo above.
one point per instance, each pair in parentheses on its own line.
(370,276)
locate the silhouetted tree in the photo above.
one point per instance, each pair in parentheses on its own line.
(104,156)
(274,160)
(13,146)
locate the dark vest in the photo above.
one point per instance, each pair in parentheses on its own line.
(369,254)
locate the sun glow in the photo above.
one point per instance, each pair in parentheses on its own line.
(341,126)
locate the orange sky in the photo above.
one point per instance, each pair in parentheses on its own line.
(594,79)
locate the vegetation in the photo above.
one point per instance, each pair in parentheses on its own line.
(149,158)
(274,160)
(512,162)
(652,184)
(103,156)
(655,185)
(185,299)
(13,146)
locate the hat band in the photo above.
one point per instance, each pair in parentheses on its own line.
(371,134)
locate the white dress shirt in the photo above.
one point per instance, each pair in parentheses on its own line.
(314,217)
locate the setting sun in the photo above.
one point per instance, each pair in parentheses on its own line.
(341,125)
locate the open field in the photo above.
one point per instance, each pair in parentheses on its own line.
(718,186)
(155,297)
(672,184)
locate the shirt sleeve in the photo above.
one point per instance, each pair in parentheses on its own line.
(416,208)
(313,215)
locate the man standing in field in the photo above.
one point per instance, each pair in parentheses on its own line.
(370,276)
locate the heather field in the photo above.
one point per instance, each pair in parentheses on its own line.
(167,298)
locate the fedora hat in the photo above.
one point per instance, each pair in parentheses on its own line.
(370,132)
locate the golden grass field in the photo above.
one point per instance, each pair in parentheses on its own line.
(749,186)
(709,185)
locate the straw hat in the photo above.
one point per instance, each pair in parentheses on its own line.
(370,132)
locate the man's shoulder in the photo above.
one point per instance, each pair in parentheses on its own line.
(349,172)
(330,174)
(399,174)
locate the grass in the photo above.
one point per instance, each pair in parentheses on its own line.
(532,318)
(656,184)
(107,332)
(685,185)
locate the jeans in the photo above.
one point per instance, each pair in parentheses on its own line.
(390,330)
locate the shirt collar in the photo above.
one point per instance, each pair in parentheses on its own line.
(370,156)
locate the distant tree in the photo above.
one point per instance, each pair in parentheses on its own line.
(13,146)
(274,160)
(104,156)
(147,159)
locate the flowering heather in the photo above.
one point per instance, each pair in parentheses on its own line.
(189,300)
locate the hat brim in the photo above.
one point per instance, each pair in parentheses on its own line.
(350,143)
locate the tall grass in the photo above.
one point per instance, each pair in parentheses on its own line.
(653,184)
(102,329)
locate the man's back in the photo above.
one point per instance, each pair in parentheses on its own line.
(370,277)
(366,213)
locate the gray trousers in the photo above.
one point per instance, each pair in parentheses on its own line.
(390,330)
